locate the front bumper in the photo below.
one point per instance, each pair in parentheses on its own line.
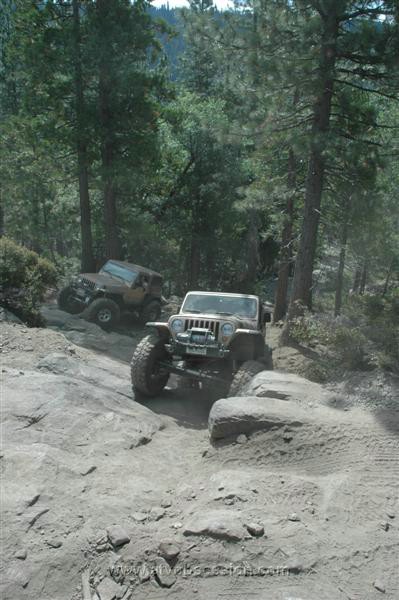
(197,350)
(82,296)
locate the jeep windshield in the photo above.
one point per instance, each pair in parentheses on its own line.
(220,305)
(119,272)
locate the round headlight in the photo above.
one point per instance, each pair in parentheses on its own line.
(177,325)
(227,329)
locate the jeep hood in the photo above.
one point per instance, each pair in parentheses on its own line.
(106,281)
(239,322)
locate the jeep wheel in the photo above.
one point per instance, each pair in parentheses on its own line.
(243,376)
(104,312)
(150,312)
(148,377)
(66,301)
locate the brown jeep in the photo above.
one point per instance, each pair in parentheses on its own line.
(217,339)
(117,287)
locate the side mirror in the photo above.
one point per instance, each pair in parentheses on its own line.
(267,317)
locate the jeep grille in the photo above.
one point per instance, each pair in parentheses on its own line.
(87,283)
(212,325)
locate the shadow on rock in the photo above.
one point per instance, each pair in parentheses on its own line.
(389,419)
(189,408)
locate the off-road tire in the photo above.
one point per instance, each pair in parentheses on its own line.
(146,380)
(66,303)
(103,311)
(150,312)
(244,375)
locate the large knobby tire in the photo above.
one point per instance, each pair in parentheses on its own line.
(148,378)
(103,311)
(66,302)
(244,375)
(150,312)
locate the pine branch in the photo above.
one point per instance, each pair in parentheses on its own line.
(361,122)
(361,58)
(368,89)
(365,74)
(377,11)
(352,138)
(293,125)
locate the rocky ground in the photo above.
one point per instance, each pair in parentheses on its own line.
(288,492)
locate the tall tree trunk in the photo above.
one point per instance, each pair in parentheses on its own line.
(388,277)
(356,280)
(280,304)
(195,261)
(87,257)
(210,260)
(194,269)
(246,281)
(302,284)
(363,279)
(46,229)
(341,267)
(2,224)
(108,143)
(35,225)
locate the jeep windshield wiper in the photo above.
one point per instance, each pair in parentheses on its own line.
(192,310)
(227,314)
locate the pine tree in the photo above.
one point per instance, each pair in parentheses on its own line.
(352,48)
(123,45)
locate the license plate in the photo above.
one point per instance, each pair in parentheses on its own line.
(196,350)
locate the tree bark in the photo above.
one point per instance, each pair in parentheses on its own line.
(108,143)
(280,304)
(302,284)
(87,256)
(2,221)
(363,279)
(195,261)
(35,225)
(195,244)
(387,279)
(356,280)
(340,272)
(246,281)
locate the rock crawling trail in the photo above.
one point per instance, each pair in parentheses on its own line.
(291,497)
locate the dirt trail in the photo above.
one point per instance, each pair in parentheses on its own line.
(79,455)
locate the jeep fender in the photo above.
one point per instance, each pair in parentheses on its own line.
(162,329)
(247,344)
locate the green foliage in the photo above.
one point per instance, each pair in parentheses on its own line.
(317,370)
(25,277)
(199,167)
(305,330)
(366,337)
(378,318)
(349,344)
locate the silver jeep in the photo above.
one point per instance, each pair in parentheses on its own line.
(217,339)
